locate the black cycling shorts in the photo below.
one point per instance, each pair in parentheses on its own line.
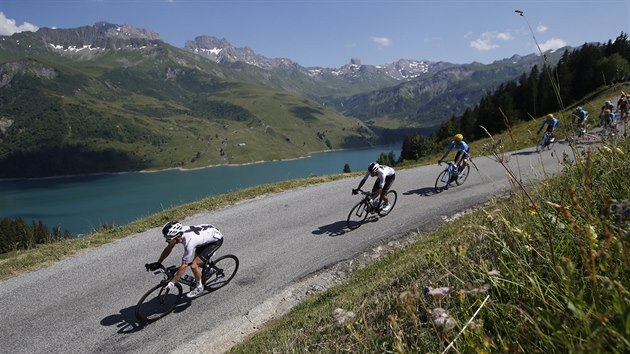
(459,153)
(205,251)
(388,183)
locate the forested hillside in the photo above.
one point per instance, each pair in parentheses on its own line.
(546,89)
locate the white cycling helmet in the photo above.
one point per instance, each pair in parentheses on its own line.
(172,229)
(373,167)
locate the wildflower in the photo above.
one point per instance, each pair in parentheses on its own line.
(607,149)
(592,235)
(342,315)
(619,151)
(438,292)
(531,208)
(442,319)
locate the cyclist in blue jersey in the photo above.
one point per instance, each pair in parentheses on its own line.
(581,115)
(386,176)
(552,125)
(462,155)
(608,119)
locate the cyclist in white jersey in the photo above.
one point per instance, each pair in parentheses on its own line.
(200,242)
(386,176)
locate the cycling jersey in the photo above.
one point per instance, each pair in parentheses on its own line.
(383,172)
(459,146)
(581,115)
(198,235)
(551,125)
(610,118)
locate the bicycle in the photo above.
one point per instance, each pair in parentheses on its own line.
(159,301)
(449,175)
(359,213)
(609,131)
(545,142)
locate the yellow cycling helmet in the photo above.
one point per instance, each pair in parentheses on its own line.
(459,137)
(607,111)
(549,116)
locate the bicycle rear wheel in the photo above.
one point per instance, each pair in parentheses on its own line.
(442,181)
(219,272)
(357,215)
(392,196)
(463,176)
(157,303)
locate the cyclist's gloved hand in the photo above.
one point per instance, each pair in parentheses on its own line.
(153,266)
(170,285)
(355,191)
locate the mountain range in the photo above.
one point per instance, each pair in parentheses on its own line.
(106,98)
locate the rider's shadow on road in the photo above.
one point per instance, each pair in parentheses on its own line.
(335,229)
(126,319)
(425,192)
(340,227)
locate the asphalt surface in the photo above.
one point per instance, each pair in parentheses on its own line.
(85,304)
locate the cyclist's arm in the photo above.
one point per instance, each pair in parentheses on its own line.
(450,147)
(365,177)
(180,272)
(167,250)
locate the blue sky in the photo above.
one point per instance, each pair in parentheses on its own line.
(329,33)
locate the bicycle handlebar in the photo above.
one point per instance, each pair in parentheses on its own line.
(361,191)
(154,266)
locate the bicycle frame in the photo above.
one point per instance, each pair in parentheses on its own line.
(367,198)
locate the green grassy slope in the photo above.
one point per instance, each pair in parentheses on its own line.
(152,108)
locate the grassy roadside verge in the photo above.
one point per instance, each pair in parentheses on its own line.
(547,270)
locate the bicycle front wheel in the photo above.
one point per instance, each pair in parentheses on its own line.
(392,196)
(357,215)
(463,176)
(542,143)
(220,272)
(157,303)
(442,181)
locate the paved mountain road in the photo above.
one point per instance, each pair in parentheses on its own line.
(85,304)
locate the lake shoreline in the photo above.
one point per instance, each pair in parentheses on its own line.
(182,168)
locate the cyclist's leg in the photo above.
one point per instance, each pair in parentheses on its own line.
(375,188)
(203,256)
(389,180)
(458,158)
(551,130)
(464,162)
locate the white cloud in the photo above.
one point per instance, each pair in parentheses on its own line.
(505,36)
(541,28)
(382,41)
(552,44)
(8,26)
(488,40)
